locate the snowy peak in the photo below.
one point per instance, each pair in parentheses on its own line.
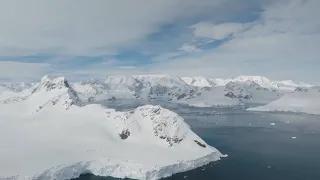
(162,80)
(123,83)
(60,91)
(154,124)
(289,85)
(166,124)
(242,89)
(199,81)
(47,92)
(147,86)
(257,79)
(90,87)
(91,81)
(147,143)
(262,81)
(243,85)
(48,84)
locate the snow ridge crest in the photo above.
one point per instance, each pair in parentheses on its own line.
(47,91)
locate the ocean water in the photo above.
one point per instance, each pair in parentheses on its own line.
(261,146)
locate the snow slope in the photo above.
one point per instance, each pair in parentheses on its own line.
(289,85)
(60,142)
(3,89)
(199,81)
(124,87)
(302,100)
(262,81)
(251,92)
(91,90)
(209,97)
(18,87)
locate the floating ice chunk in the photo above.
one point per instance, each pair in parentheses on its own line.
(272,124)
(294,137)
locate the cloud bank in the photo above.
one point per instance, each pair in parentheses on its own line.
(219,38)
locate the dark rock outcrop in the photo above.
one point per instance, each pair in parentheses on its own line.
(124,134)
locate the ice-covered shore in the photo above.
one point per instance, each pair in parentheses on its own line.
(47,134)
(303,100)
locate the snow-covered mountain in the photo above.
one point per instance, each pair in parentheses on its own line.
(262,81)
(145,87)
(200,91)
(126,87)
(49,92)
(210,96)
(199,81)
(90,87)
(149,142)
(91,90)
(17,87)
(165,87)
(250,92)
(302,100)
(289,85)
(248,89)
(285,85)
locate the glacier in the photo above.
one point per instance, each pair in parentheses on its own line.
(302,100)
(48,133)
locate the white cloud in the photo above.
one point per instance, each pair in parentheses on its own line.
(189,48)
(216,31)
(283,43)
(18,71)
(82,27)
(281,34)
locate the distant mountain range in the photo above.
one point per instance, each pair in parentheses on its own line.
(195,91)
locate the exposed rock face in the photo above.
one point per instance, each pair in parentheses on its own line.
(200,144)
(230,95)
(301,89)
(124,134)
(112,98)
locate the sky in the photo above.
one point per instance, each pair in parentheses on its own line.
(81,39)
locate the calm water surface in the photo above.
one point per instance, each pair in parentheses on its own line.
(257,149)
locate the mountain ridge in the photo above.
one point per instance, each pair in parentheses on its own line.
(247,89)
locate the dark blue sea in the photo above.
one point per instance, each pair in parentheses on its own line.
(261,146)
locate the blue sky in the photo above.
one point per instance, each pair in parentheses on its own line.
(215,38)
